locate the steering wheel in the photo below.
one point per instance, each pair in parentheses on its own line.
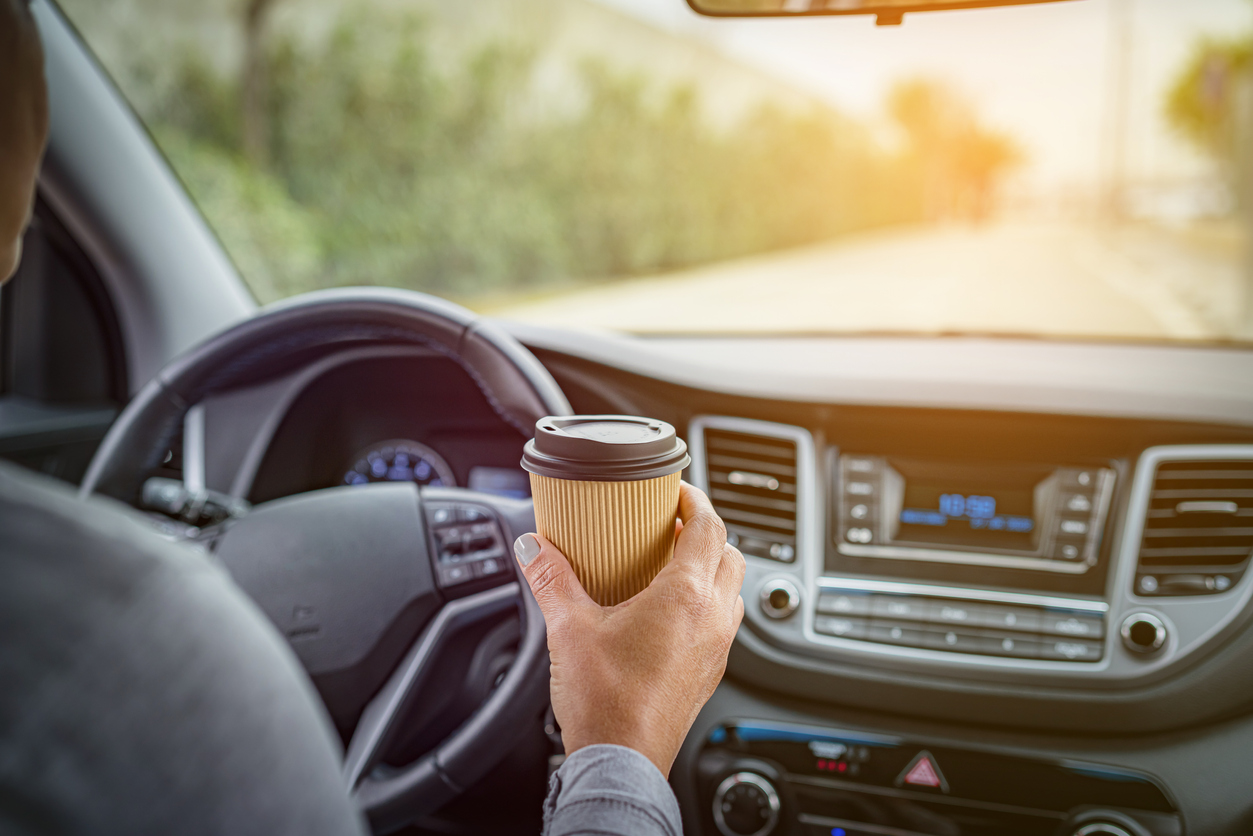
(356,577)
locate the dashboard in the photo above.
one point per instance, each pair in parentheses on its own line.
(999,590)
(1042,616)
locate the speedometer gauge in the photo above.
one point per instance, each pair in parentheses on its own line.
(400,460)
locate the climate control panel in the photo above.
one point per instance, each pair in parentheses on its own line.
(1071,631)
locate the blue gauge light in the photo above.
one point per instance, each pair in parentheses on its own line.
(399,460)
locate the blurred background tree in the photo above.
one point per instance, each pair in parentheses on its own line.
(1208,104)
(958,161)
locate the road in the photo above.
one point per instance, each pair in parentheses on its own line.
(1052,279)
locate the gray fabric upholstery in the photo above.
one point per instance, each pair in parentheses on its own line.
(140,691)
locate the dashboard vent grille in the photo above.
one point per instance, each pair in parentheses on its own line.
(1198,529)
(752,484)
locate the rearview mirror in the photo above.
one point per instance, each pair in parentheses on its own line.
(887,12)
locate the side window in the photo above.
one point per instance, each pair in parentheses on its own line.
(62,362)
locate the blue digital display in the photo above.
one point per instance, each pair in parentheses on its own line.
(976,510)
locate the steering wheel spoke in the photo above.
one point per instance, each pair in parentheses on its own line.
(415,674)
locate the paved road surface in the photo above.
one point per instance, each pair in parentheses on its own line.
(1054,279)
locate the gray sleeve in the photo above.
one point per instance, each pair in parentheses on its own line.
(608,790)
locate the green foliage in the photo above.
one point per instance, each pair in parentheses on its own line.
(1201,103)
(390,167)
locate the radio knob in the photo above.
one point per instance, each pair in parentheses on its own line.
(746,804)
(1143,633)
(779,598)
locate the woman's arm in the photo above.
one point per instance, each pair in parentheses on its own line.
(634,675)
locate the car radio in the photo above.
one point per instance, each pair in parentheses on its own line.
(1041,517)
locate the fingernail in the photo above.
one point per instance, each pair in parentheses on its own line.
(526,548)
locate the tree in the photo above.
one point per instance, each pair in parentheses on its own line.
(960,162)
(255,82)
(1203,102)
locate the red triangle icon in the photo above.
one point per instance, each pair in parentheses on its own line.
(923,772)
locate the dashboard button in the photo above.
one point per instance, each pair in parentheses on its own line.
(859,534)
(1078,479)
(1071,625)
(860,488)
(956,640)
(1010,644)
(1011,618)
(860,510)
(838,603)
(1078,503)
(1073,527)
(958,613)
(888,632)
(844,628)
(899,607)
(1071,650)
(861,465)
(1069,548)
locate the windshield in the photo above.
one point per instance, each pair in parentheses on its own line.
(1075,170)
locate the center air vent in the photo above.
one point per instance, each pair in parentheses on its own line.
(1198,529)
(752,483)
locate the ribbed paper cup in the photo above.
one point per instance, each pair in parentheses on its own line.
(616,535)
(606,491)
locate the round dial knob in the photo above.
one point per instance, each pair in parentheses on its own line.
(746,804)
(1143,632)
(779,598)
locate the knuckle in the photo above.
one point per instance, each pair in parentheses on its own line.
(708,524)
(544,578)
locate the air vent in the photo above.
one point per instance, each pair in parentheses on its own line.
(1198,530)
(752,483)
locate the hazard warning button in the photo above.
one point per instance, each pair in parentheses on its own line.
(923,771)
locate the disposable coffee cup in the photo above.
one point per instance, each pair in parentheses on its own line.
(606,491)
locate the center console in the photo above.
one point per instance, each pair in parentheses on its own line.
(991,564)
(759,778)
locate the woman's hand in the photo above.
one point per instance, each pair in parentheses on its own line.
(637,674)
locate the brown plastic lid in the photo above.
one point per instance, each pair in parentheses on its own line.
(604,448)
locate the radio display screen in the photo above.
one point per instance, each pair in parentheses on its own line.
(1012,515)
(958,513)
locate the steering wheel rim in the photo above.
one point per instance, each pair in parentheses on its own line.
(287,335)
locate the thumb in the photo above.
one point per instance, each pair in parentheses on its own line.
(557,589)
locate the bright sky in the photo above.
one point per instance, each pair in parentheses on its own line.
(1040,72)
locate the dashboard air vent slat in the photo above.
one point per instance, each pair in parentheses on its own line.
(752,484)
(1198,529)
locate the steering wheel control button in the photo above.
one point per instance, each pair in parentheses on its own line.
(746,804)
(779,598)
(455,573)
(1143,633)
(469,544)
